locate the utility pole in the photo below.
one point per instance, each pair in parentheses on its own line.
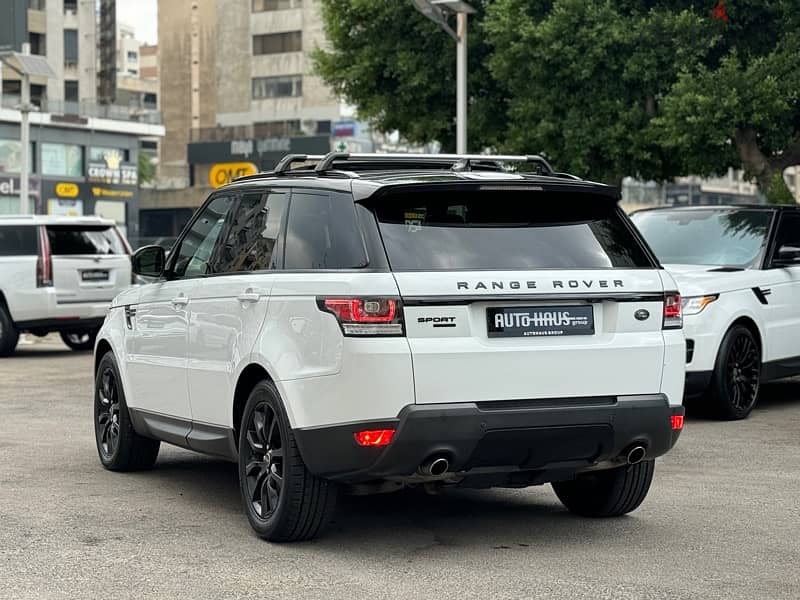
(437,11)
(25,136)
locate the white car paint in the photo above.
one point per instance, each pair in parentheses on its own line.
(777,322)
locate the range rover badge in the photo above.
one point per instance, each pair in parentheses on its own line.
(642,314)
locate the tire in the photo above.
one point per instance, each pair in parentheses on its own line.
(9,336)
(737,375)
(283,501)
(119,447)
(609,493)
(79,340)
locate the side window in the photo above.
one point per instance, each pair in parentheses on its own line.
(252,240)
(18,240)
(196,255)
(322,233)
(788,231)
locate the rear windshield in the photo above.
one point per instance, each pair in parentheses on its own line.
(84,239)
(506,231)
(18,240)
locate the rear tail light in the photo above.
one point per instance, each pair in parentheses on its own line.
(374,437)
(673,314)
(44,264)
(677,422)
(365,316)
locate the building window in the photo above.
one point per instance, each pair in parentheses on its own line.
(11,156)
(289,86)
(98,154)
(37,41)
(264,5)
(70,46)
(132,56)
(62,160)
(276,43)
(273,129)
(71,6)
(71,91)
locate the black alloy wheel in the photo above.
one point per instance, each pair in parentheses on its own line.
(264,468)
(283,500)
(737,374)
(119,447)
(107,419)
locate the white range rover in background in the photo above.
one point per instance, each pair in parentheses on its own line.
(59,274)
(738,270)
(373,322)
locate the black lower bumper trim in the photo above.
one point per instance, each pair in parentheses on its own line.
(524,437)
(697,383)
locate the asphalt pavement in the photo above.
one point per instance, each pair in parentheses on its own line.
(722,519)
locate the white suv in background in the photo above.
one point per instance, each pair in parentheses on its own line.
(59,274)
(373,322)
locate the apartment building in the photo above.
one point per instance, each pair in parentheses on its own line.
(84,151)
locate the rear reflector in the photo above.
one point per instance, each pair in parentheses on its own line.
(374,437)
(673,313)
(677,422)
(365,316)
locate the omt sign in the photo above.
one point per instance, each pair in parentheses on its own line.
(223,173)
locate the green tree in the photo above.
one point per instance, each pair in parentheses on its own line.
(147,170)
(606,88)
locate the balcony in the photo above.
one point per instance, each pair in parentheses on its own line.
(90,109)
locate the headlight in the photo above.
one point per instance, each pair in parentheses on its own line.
(696,304)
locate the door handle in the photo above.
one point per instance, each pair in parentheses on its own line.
(249,295)
(180,301)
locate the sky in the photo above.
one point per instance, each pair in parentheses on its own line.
(142,15)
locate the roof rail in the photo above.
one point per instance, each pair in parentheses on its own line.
(461,162)
(287,161)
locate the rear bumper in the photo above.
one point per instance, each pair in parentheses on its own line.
(697,383)
(563,436)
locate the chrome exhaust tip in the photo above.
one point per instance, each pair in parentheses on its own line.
(434,467)
(636,454)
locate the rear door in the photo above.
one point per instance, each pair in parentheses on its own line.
(508,296)
(90,263)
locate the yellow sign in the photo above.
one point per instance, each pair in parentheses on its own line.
(99,192)
(223,173)
(67,190)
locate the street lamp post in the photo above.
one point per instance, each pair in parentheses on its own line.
(436,10)
(25,65)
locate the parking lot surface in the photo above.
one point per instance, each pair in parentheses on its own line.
(721,521)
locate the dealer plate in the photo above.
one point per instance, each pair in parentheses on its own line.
(95,275)
(539,321)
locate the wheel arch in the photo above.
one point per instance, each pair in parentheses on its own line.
(102,347)
(750,324)
(248,378)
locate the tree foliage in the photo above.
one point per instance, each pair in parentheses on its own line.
(146,169)
(606,88)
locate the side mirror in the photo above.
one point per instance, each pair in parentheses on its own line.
(149,261)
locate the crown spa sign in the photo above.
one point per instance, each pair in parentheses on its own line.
(111,171)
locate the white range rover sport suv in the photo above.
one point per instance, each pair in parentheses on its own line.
(59,274)
(364,323)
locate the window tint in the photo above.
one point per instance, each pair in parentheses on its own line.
(252,238)
(18,241)
(322,233)
(788,231)
(70,239)
(505,230)
(194,256)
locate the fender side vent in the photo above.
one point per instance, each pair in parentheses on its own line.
(761,294)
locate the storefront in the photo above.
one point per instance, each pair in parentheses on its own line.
(73,172)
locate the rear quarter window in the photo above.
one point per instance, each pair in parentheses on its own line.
(506,230)
(322,233)
(84,239)
(18,240)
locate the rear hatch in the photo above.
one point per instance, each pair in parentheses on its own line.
(90,262)
(512,295)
